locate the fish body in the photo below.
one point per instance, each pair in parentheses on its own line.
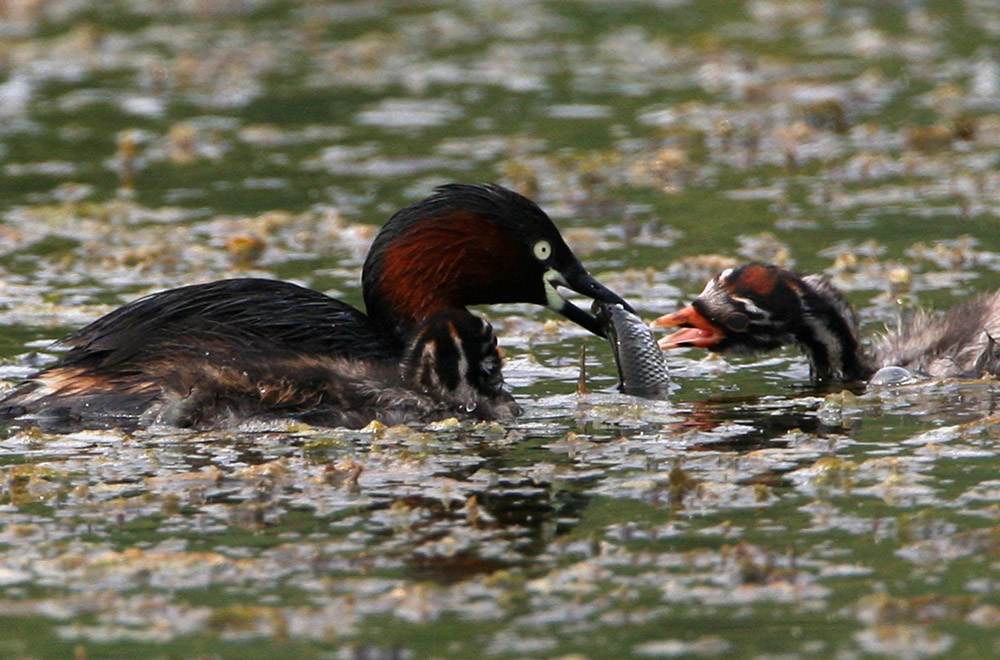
(642,371)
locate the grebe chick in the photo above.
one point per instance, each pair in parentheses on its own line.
(172,356)
(760,307)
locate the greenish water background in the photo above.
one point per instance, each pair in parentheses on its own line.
(151,145)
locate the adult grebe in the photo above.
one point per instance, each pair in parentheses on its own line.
(208,355)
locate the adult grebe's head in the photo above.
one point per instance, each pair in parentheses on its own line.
(470,245)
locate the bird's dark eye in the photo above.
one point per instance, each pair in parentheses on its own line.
(737,321)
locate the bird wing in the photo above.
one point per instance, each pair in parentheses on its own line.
(241,312)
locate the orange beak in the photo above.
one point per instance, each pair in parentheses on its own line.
(695,330)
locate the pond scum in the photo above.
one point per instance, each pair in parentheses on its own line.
(150,145)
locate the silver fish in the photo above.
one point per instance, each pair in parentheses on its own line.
(642,371)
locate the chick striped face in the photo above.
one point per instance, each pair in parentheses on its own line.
(455,356)
(750,309)
(760,307)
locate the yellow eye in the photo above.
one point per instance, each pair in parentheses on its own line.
(542,250)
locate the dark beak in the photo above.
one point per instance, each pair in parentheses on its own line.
(579,280)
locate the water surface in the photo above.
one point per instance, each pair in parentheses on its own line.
(150,145)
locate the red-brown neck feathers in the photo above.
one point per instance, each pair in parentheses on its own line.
(449,262)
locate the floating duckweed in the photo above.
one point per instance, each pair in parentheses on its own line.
(155,145)
(681,484)
(245,250)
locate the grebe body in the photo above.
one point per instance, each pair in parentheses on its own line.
(209,355)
